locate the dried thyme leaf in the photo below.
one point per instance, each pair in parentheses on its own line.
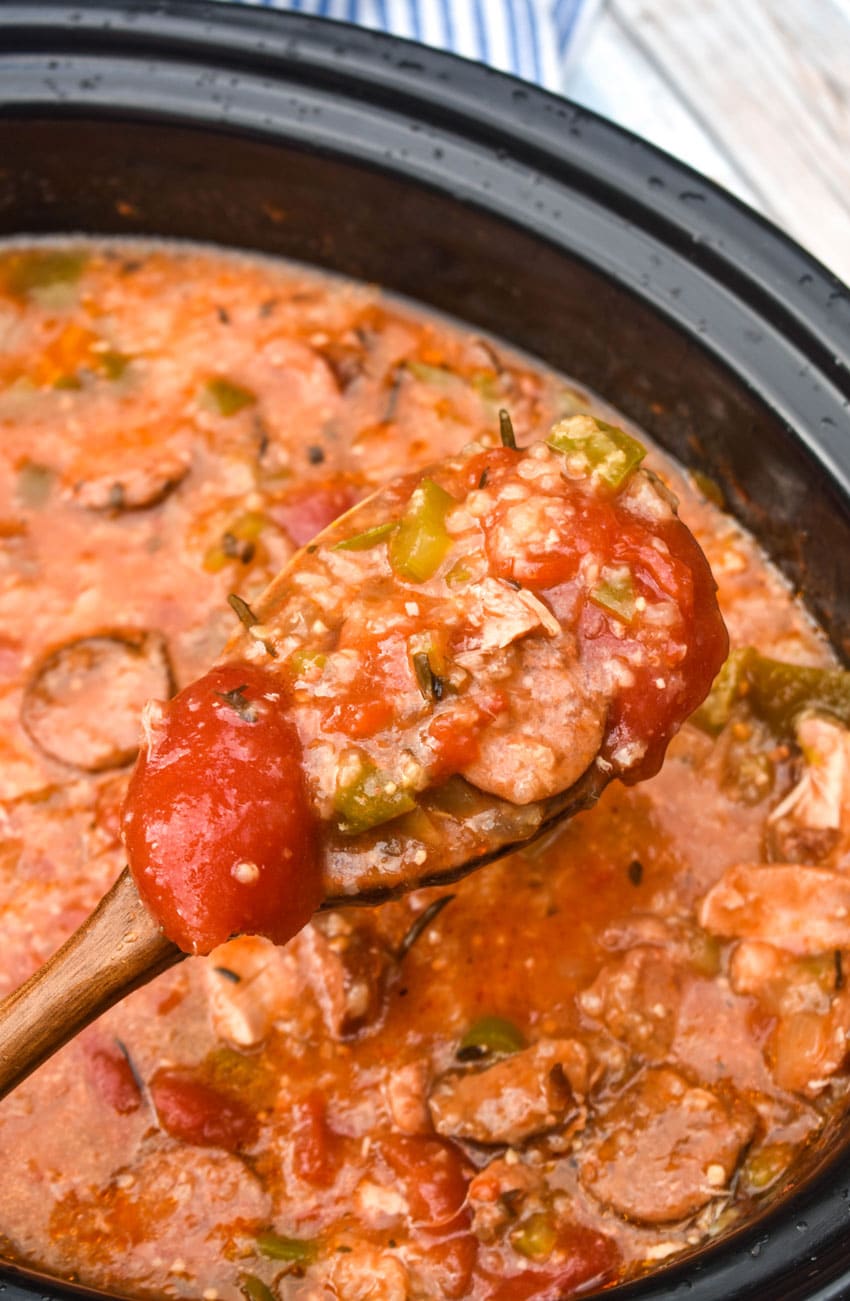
(423,921)
(506,429)
(134,1070)
(243,610)
(432,686)
(239,703)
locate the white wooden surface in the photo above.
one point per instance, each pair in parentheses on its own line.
(755,93)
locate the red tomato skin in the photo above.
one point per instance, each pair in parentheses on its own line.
(485,463)
(312,509)
(433,1174)
(454,746)
(11,652)
(587,1259)
(359,718)
(213,790)
(315,1146)
(655,715)
(666,564)
(365,706)
(194,1112)
(660,698)
(113,1078)
(454,1255)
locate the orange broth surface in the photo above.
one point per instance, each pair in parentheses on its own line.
(565,1078)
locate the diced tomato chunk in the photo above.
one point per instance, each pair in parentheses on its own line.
(453,1256)
(193,1112)
(113,1078)
(366,705)
(219,832)
(585,1259)
(454,747)
(359,718)
(486,463)
(315,1146)
(434,1177)
(11,651)
(433,1173)
(653,708)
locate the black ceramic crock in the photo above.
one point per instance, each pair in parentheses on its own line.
(511,209)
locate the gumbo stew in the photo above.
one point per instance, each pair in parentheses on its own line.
(569,1067)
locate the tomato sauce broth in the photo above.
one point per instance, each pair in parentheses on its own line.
(329,1119)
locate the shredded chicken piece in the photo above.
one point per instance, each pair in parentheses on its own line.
(502,614)
(804,910)
(250,983)
(364,1274)
(340,966)
(406,1090)
(498,1191)
(809,1005)
(813,817)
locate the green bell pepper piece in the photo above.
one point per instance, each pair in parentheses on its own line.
(438,375)
(716,710)
(369,800)
(367,539)
(491,1035)
(764,1167)
(420,544)
(535,1237)
(776,692)
(226,398)
(254,1289)
(781,692)
(113,364)
(607,453)
(299,1251)
(616,593)
(309,662)
(45,275)
(35,484)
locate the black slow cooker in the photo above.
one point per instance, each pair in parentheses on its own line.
(514,210)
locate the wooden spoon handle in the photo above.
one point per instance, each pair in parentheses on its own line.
(117,948)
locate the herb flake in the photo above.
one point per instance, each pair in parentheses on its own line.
(432,686)
(506,430)
(242,609)
(421,924)
(238,702)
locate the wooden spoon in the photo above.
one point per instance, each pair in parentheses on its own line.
(117,949)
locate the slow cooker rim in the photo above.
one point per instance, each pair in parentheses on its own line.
(460,93)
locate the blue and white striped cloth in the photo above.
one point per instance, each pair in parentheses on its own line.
(534,39)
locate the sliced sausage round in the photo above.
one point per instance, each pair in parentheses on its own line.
(84,702)
(666,1148)
(526,1094)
